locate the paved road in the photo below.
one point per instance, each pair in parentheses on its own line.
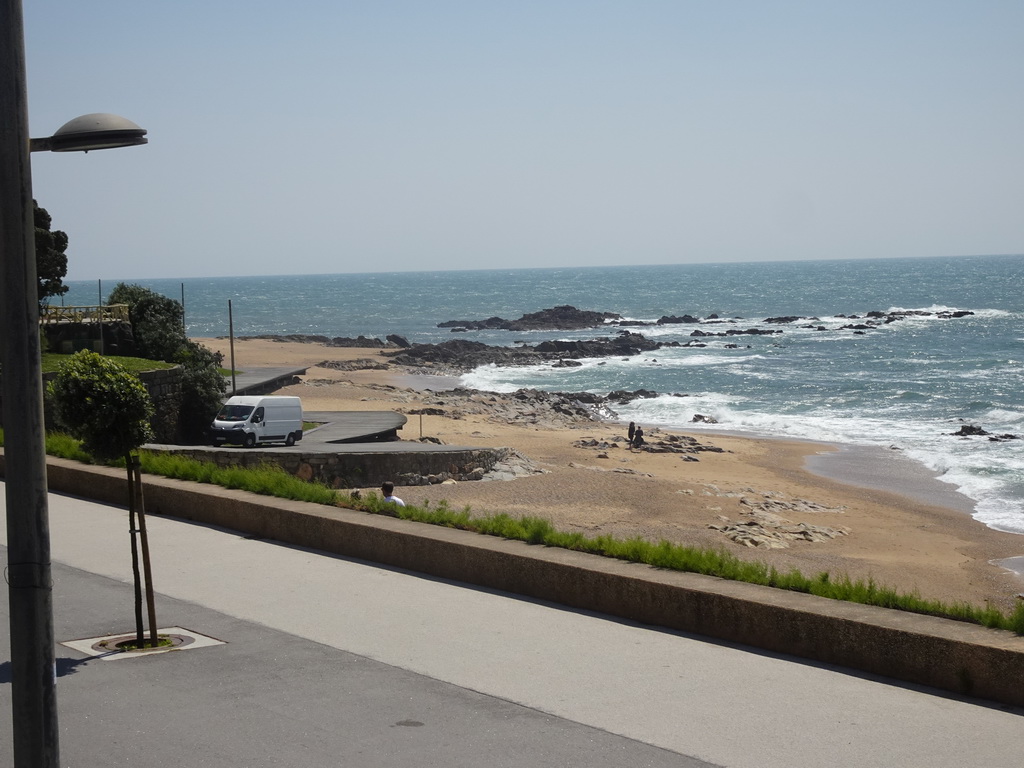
(330,661)
(262,380)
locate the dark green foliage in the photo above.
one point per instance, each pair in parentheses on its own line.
(202,389)
(160,335)
(269,480)
(157,321)
(101,403)
(51,259)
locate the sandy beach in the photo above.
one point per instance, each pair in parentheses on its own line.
(899,527)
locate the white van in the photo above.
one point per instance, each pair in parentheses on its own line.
(251,419)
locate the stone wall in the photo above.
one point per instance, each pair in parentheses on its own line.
(363,469)
(164,387)
(109,338)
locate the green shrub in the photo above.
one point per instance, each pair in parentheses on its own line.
(102,403)
(267,480)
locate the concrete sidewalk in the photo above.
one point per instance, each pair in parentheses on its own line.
(330,661)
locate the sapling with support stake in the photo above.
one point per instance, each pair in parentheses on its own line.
(107,407)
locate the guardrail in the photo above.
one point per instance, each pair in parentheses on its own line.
(94,314)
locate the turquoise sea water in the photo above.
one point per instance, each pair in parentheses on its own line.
(907,384)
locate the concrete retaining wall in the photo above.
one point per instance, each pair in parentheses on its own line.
(365,469)
(949,655)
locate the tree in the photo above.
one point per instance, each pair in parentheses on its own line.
(158,328)
(51,259)
(107,407)
(157,321)
(202,390)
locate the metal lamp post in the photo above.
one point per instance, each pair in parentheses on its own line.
(33,663)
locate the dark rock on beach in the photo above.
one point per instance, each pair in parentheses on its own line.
(305,338)
(302,338)
(359,341)
(464,355)
(363,364)
(531,406)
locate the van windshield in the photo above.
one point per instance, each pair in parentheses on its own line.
(234,413)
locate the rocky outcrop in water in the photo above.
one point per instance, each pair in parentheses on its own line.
(562,318)
(673,320)
(624,344)
(568,318)
(735,332)
(971,430)
(460,355)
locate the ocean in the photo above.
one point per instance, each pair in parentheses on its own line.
(907,384)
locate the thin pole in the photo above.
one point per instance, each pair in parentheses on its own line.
(133,532)
(231,337)
(100,286)
(183,326)
(30,585)
(147,566)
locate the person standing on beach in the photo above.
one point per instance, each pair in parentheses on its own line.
(632,432)
(388,489)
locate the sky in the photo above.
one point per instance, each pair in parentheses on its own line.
(328,136)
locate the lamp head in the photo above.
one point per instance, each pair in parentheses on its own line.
(96,131)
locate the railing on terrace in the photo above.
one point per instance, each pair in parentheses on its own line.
(96,314)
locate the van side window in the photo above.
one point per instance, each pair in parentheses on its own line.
(257,418)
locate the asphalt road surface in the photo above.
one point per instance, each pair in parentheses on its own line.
(327,661)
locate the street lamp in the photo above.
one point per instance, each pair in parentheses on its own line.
(88,132)
(30,586)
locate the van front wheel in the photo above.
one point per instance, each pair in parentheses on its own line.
(250,441)
(290,440)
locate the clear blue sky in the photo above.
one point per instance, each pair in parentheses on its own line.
(323,136)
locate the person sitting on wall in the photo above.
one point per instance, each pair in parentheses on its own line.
(388,489)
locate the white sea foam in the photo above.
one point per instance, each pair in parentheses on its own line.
(989,473)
